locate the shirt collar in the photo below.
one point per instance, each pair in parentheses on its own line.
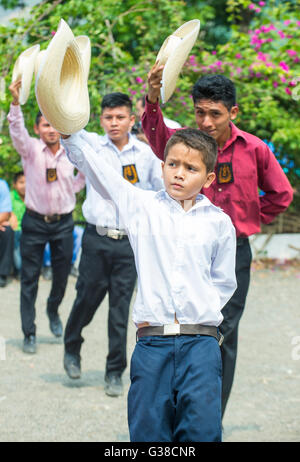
(235,133)
(201,201)
(132,143)
(60,151)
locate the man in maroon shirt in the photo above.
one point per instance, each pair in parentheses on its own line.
(245,164)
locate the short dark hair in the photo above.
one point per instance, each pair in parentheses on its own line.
(217,88)
(198,140)
(38,118)
(116,99)
(17,176)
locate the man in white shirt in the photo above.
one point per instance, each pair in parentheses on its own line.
(107,262)
(184,250)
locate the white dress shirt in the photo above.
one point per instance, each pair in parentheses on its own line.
(185,260)
(100,211)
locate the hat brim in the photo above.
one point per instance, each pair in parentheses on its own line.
(23,70)
(174,53)
(61,83)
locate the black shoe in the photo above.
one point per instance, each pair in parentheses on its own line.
(3,281)
(47,273)
(29,345)
(55,324)
(72,366)
(113,385)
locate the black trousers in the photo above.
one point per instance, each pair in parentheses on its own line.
(106,265)
(6,251)
(232,313)
(35,234)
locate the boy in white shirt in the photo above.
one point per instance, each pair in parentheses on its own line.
(184,250)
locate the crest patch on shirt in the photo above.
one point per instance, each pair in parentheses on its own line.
(224,173)
(51,175)
(130,173)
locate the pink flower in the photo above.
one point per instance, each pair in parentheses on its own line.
(261,3)
(281,34)
(258,10)
(291,52)
(251,6)
(214,52)
(287,22)
(275,84)
(284,66)
(139,80)
(53,32)
(283,79)
(238,55)
(288,91)
(133,69)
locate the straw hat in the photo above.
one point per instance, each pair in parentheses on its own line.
(23,69)
(173,54)
(61,82)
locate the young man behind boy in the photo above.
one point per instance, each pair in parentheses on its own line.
(245,164)
(184,250)
(107,262)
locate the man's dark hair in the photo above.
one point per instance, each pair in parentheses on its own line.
(198,140)
(38,118)
(117,99)
(17,176)
(215,87)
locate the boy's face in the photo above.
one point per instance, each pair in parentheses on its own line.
(213,118)
(20,185)
(184,174)
(117,122)
(46,132)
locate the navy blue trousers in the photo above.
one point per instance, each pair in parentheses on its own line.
(175,392)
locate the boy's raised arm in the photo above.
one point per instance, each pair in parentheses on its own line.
(104,179)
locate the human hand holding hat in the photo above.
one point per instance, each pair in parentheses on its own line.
(14,88)
(154,82)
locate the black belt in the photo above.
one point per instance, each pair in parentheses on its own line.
(47,218)
(180,329)
(108,232)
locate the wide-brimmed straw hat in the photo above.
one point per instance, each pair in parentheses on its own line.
(173,54)
(23,70)
(61,82)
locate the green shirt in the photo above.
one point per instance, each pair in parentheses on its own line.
(18,207)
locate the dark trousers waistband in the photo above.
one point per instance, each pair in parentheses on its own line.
(48,218)
(180,329)
(242,240)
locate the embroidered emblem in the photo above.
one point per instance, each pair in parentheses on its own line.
(51,175)
(224,173)
(130,173)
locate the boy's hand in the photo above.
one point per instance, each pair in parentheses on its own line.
(14,88)
(154,82)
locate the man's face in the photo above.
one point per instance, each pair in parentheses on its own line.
(47,133)
(213,118)
(20,185)
(117,122)
(185,174)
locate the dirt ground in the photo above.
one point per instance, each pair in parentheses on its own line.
(39,403)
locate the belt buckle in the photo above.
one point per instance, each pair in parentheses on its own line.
(172,329)
(47,219)
(221,338)
(113,233)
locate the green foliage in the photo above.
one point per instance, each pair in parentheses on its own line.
(256,44)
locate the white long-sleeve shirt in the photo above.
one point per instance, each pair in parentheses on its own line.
(135,155)
(185,260)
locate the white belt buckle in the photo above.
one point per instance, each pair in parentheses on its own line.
(172,329)
(113,233)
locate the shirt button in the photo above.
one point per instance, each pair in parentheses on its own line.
(220,189)
(153,129)
(154,110)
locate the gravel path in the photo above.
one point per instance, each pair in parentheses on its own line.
(39,403)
